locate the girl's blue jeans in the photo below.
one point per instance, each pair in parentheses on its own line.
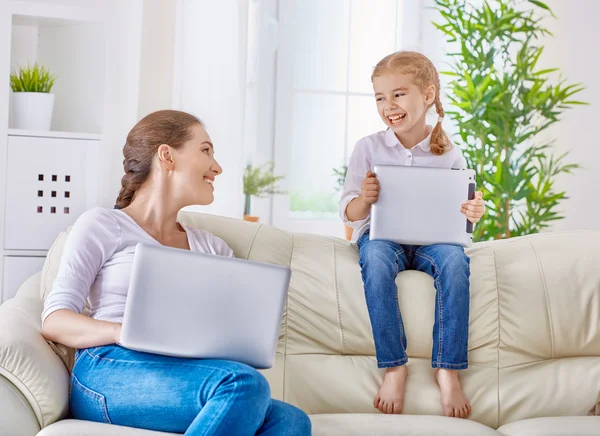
(380,263)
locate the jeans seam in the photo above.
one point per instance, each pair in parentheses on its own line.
(97,396)
(440,303)
(220,412)
(398,315)
(144,362)
(393,363)
(453,365)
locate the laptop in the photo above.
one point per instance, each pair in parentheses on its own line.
(421,205)
(187,304)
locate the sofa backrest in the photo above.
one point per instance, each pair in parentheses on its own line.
(534,345)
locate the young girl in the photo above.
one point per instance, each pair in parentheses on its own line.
(406,85)
(169,164)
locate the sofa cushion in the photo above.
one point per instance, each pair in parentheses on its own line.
(75,427)
(557,426)
(396,425)
(323,425)
(549,337)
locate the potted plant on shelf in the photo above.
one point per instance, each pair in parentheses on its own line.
(32,103)
(259,182)
(340,174)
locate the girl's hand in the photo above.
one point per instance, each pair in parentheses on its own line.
(474,209)
(369,190)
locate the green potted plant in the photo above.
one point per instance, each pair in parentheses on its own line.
(340,179)
(259,182)
(32,103)
(502,101)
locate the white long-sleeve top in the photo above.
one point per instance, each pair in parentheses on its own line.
(384,148)
(97,260)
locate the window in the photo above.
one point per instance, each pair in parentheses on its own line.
(327,104)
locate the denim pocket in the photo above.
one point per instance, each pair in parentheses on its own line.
(87,404)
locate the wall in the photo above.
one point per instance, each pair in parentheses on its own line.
(210,59)
(157,56)
(576,35)
(123,45)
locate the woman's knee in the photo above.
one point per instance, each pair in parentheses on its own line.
(295,421)
(250,381)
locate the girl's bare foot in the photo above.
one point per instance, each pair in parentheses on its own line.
(454,401)
(390,398)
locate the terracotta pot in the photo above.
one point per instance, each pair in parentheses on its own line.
(251,218)
(348,232)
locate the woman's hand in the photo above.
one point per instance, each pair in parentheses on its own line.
(79,331)
(474,209)
(117,332)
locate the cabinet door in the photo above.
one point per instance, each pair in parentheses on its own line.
(47,188)
(16,271)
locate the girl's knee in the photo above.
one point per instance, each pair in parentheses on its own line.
(376,253)
(454,256)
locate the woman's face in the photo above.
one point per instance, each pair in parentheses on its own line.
(195,169)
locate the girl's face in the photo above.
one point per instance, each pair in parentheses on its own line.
(195,168)
(402,105)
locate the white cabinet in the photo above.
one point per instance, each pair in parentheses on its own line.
(16,270)
(48,178)
(49,183)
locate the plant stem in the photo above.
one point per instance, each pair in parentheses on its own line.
(247,205)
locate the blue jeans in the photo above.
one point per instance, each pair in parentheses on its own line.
(380,263)
(115,385)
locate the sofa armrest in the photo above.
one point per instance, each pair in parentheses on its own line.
(28,362)
(16,416)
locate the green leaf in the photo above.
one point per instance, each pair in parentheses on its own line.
(34,78)
(540,4)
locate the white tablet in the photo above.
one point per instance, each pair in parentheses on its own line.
(421,205)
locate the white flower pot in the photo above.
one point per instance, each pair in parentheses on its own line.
(32,110)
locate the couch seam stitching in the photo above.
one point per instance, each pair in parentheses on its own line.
(547,296)
(498,341)
(252,243)
(337,300)
(287,315)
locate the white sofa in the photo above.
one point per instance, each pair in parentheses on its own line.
(534,345)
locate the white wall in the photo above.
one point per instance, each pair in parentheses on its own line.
(123,46)
(210,83)
(157,56)
(574,49)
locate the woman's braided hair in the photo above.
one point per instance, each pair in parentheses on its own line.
(169,127)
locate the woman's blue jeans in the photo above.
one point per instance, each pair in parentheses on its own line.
(115,385)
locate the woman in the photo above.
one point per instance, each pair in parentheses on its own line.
(169,164)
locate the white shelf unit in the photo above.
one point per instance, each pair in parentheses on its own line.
(49,177)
